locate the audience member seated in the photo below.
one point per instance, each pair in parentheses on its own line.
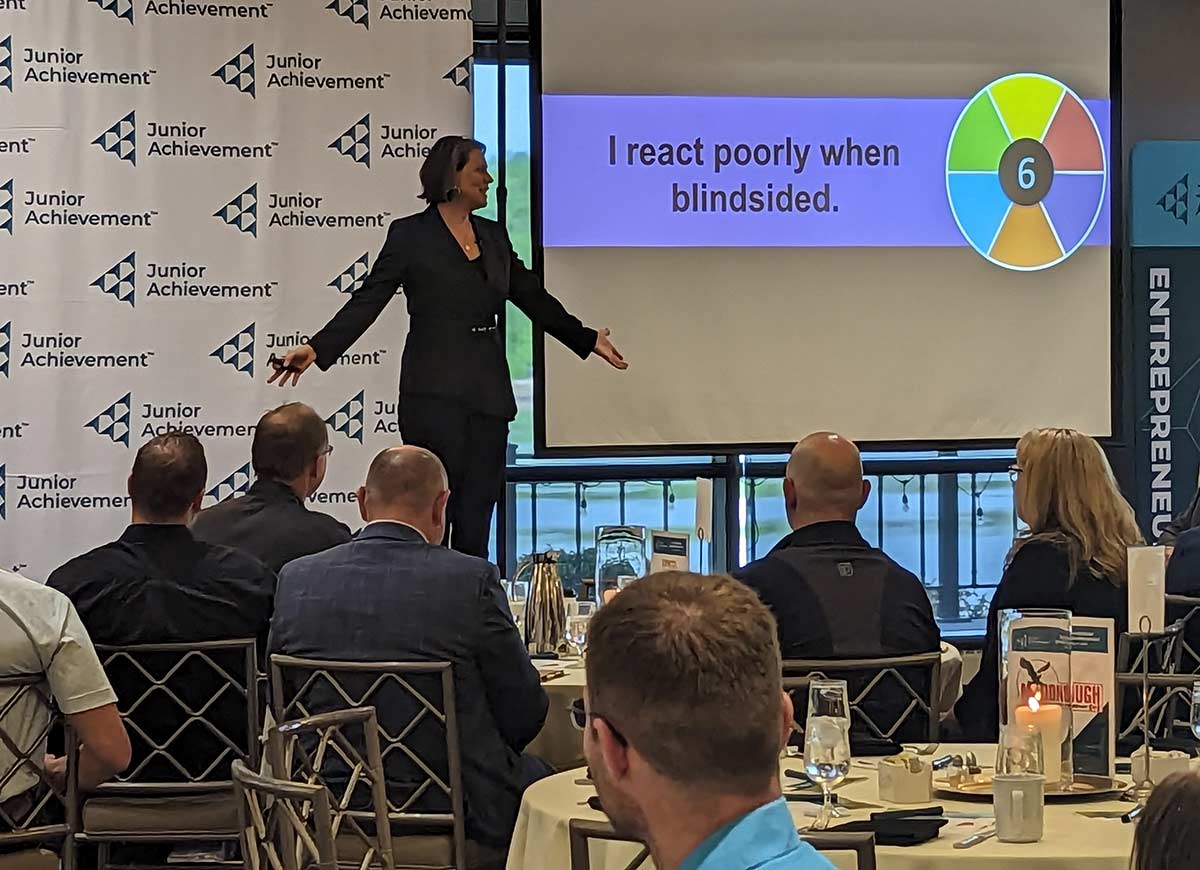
(271,521)
(1166,836)
(685,719)
(41,635)
(833,595)
(1072,556)
(394,594)
(158,584)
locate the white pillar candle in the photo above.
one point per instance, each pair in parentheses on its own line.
(1047,721)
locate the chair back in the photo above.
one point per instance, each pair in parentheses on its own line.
(324,750)
(190,709)
(1168,706)
(891,698)
(861,844)
(583,831)
(284,825)
(418,731)
(1185,609)
(33,812)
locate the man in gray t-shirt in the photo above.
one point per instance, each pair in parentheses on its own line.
(40,634)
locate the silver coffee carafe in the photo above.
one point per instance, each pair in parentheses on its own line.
(546,607)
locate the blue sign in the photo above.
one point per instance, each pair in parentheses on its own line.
(1166,194)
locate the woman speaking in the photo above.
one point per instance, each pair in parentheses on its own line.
(456,270)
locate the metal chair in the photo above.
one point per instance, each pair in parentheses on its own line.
(862,845)
(1167,694)
(27,818)
(1185,609)
(419,740)
(318,751)
(583,831)
(866,680)
(190,710)
(284,825)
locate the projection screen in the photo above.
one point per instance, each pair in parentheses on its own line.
(889,219)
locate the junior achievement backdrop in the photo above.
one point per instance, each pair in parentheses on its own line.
(185,189)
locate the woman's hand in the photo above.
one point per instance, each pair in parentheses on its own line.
(607,351)
(294,363)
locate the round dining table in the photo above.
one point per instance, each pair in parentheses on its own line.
(561,744)
(1070,841)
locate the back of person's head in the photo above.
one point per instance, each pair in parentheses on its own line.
(686,670)
(1066,493)
(407,484)
(290,445)
(168,478)
(1167,836)
(824,480)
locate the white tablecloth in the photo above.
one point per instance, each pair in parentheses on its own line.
(561,744)
(1071,841)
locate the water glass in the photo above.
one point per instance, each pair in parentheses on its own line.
(577,631)
(1021,751)
(827,741)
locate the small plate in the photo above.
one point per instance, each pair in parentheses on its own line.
(1085,788)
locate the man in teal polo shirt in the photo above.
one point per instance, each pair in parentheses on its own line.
(686,719)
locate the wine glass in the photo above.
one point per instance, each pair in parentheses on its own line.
(827,741)
(1196,709)
(577,631)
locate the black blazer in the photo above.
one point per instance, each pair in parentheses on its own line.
(452,349)
(389,596)
(1039,576)
(270,523)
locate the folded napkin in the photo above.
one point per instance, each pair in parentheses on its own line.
(899,827)
(863,746)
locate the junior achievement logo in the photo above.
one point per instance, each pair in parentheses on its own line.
(422,11)
(236,483)
(295,71)
(65,208)
(64,350)
(5,346)
(67,66)
(348,419)
(396,141)
(6,63)
(10,289)
(149,419)
(178,280)
(355,11)
(1177,200)
(52,492)
(182,139)
(113,422)
(238,351)
(351,278)
(7,207)
(123,10)
(460,74)
(298,210)
(120,280)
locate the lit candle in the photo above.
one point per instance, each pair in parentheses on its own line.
(1047,721)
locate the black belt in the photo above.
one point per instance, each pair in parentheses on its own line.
(436,324)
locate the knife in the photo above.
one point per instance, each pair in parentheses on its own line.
(975,839)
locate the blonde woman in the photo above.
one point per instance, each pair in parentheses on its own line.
(1072,556)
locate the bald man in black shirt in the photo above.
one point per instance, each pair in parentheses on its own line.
(834,596)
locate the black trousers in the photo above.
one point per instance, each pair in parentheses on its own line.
(473,448)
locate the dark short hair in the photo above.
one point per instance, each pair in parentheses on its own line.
(687,669)
(287,440)
(1166,834)
(168,473)
(446,159)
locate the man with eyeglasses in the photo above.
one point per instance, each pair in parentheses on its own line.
(684,721)
(271,522)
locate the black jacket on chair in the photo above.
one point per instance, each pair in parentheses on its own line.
(271,523)
(834,596)
(453,349)
(389,596)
